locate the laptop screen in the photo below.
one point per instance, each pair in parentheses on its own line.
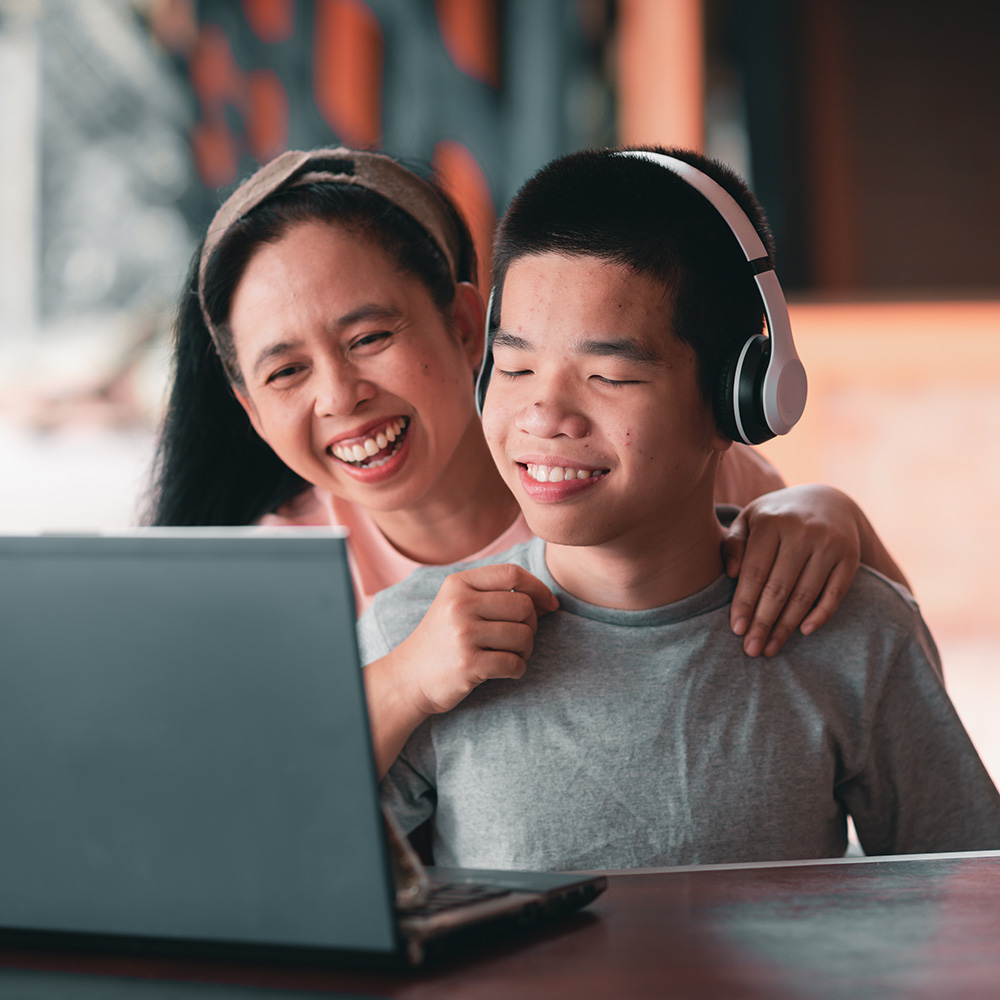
(184,746)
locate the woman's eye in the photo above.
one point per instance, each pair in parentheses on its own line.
(368,339)
(283,373)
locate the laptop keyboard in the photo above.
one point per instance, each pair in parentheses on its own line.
(446,895)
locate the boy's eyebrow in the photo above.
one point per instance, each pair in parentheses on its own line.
(626,348)
(505,339)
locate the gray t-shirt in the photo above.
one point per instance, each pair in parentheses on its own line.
(647,738)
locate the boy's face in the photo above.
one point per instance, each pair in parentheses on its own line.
(593,413)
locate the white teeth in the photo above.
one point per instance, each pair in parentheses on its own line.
(370,446)
(558,473)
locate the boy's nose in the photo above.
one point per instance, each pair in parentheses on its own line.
(546,418)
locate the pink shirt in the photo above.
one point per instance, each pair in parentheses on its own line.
(376,564)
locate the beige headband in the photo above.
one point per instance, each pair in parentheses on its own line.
(374,171)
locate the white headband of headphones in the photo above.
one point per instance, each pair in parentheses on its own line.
(784,388)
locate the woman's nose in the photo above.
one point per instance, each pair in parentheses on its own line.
(339,390)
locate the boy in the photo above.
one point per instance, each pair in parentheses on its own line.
(640,734)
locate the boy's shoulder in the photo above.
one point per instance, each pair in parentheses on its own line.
(877,628)
(874,599)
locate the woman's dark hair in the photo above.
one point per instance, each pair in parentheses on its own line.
(211,468)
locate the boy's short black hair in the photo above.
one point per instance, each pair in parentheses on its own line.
(639,214)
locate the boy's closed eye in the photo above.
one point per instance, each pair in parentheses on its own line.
(512,372)
(616,382)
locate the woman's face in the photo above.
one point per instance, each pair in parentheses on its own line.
(351,373)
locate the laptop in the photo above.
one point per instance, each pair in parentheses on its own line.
(186,763)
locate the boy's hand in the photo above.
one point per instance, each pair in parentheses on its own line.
(481,626)
(796,552)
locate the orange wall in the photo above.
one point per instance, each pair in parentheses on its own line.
(660,73)
(904,415)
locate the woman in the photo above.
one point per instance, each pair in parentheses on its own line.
(324,371)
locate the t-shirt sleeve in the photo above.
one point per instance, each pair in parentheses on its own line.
(744,474)
(921,786)
(407,788)
(395,613)
(373,643)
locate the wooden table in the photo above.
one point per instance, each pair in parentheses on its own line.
(919,926)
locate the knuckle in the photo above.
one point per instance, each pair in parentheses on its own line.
(742,605)
(800,601)
(464,631)
(516,666)
(522,604)
(527,642)
(755,573)
(780,632)
(776,591)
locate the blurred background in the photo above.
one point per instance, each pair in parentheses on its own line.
(870,129)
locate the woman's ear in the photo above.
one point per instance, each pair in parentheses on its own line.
(721,442)
(469,319)
(244,400)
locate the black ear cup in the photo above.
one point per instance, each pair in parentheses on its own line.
(483,377)
(739,404)
(486,367)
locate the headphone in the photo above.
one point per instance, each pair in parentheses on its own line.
(762,391)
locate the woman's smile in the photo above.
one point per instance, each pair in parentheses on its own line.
(371,450)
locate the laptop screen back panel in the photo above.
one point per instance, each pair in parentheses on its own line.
(182,753)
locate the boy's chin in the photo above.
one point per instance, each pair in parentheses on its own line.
(564,534)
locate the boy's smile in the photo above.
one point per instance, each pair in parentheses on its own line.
(594,413)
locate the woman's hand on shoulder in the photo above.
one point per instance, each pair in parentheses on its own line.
(481,626)
(795,553)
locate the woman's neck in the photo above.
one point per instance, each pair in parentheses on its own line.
(469,507)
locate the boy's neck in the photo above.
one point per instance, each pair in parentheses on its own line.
(642,573)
